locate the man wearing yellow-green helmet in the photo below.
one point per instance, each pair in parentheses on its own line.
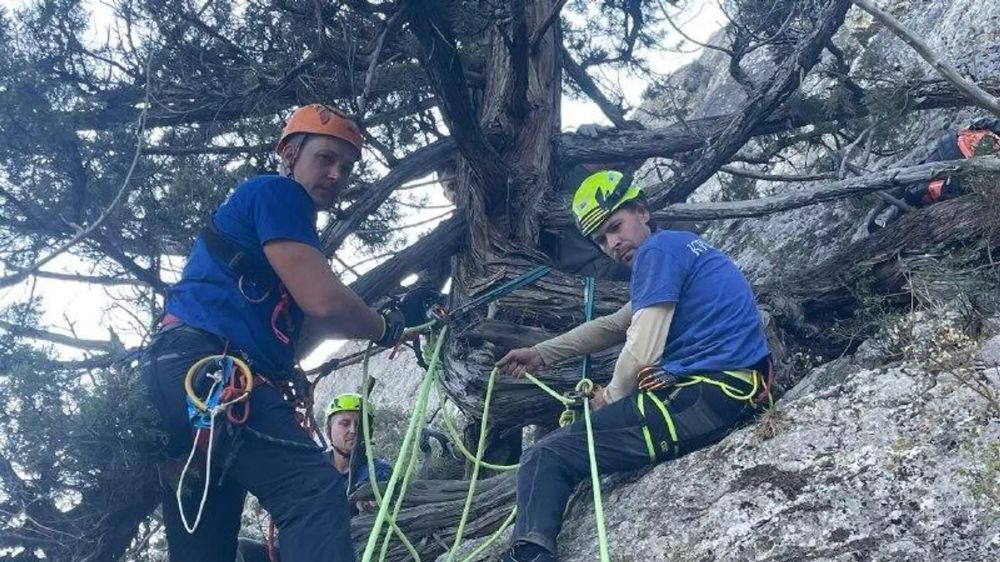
(347,448)
(347,455)
(694,366)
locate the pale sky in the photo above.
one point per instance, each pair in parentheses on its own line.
(85,308)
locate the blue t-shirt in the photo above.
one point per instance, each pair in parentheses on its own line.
(383,470)
(716,325)
(208,296)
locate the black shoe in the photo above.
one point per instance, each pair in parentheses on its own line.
(528,552)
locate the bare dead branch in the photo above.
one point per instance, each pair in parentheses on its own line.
(591,89)
(406,226)
(113,251)
(879,181)
(743,173)
(391,26)
(91,279)
(420,162)
(688,38)
(199,150)
(52,337)
(617,146)
(430,250)
(783,83)
(885,197)
(812,194)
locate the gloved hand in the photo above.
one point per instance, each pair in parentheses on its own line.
(395,324)
(416,304)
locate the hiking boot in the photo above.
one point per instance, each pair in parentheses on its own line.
(528,552)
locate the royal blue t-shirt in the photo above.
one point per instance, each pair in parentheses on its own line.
(716,325)
(383,471)
(208,297)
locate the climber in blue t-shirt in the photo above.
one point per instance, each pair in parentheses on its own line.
(348,456)
(258,289)
(694,365)
(716,325)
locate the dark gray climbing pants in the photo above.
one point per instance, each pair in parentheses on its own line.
(297,486)
(702,415)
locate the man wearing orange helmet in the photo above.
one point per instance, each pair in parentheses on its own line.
(254,284)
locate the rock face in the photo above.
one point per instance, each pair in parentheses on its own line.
(888,464)
(961,32)
(398,380)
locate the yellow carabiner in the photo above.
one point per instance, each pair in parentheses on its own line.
(241,366)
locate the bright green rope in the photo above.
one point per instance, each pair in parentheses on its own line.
(456,437)
(549,390)
(475,467)
(402,493)
(410,471)
(408,451)
(584,388)
(425,387)
(595,478)
(493,538)
(366,433)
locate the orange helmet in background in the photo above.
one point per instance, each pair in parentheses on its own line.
(319,119)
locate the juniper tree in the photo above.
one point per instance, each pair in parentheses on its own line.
(115,148)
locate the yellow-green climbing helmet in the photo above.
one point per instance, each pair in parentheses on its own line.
(600,195)
(346,402)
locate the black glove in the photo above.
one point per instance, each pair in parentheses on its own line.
(417,302)
(395,324)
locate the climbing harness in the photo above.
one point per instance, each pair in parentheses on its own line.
(654,379)
(255,280)
(221,385)
(230,383)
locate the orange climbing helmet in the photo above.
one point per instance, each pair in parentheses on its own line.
(319,119)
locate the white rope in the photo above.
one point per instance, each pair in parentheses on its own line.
(208,469)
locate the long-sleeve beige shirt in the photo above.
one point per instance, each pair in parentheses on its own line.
(644,333)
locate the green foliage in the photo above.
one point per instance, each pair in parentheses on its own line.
(76,450)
